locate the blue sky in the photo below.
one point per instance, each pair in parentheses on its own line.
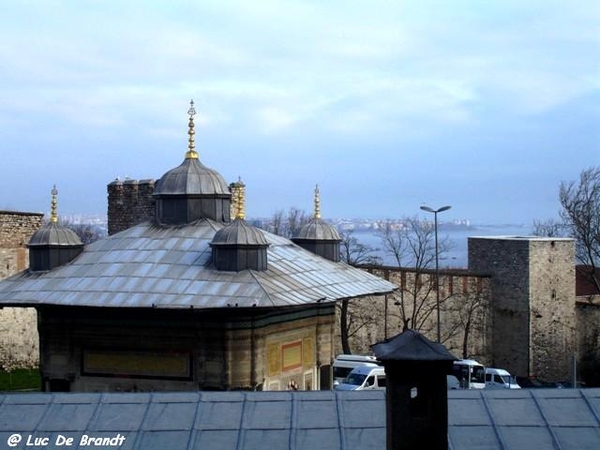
(387,105)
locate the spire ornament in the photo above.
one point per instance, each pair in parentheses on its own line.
(53,205)
(241,199)
(191,153)
(317,203)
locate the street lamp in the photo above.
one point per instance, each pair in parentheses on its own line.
(437,268)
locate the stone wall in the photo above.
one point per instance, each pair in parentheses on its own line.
(533,304)
(129,202)
(19,343)
(17,227)
(552,297)
(84,349)
(464,302)
(588,326)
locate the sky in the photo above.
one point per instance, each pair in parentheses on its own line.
(386,105)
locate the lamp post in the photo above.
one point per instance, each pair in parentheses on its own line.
(437,268)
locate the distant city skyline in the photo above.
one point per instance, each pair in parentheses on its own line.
(387,105)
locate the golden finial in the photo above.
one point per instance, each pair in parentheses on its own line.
(233,206)
(241,199)
(191,153)
(317,203)
(54,203)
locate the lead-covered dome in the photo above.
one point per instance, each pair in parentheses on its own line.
(191,191)
(318,236)
(53,245)
(318,229)
(191,178)
(54,234)
(239,233)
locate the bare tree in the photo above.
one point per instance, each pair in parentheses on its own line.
(549,228)
(411,242)
(288,224)
(580,213)
(352,320)
(356,253)
(468,315)
(87,232)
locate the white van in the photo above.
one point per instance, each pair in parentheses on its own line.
(499,379)
(343,365)
(362,378)
(469,373)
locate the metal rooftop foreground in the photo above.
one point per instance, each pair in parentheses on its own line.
(151,266)
(566,419)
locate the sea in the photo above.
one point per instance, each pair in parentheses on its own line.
(457,256)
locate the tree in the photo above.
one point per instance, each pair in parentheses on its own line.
(411,242)
(352,320)
(354,252)
(88,233)
(580,213)
(288,224)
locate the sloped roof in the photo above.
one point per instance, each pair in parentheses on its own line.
(169,267)
(411,345)
(334,420)
(191,177)
(318,230)
(239,232)
(54,234)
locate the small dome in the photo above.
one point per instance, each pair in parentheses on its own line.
(54,234)
(238,233)
(318,230)
(189,178)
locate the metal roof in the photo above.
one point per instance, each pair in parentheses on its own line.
(317,229)
(239,232)
(169,267)
(566,419)
(191,177)
(411,345)
(54,234)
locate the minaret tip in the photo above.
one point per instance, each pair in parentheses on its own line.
(317,203)
(53,205)
(191,153)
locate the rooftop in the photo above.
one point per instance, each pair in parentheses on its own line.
(170,267)
(566,419)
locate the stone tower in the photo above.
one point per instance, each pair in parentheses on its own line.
(533,302)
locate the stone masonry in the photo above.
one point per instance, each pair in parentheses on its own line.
(464,302)
(533,308)
(129,202)
(19,344)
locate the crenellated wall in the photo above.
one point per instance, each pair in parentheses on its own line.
(464,311)
(129,202)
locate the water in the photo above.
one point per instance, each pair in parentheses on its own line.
(457,257)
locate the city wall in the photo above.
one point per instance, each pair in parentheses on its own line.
(19,343)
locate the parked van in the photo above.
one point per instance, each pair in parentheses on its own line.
(499,379)
(362,378)
(469,373)
(343,365)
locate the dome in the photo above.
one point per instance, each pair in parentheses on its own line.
(238,233)
(54,234)
(191,178)
(318,230)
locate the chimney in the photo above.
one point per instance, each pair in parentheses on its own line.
(416,391)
